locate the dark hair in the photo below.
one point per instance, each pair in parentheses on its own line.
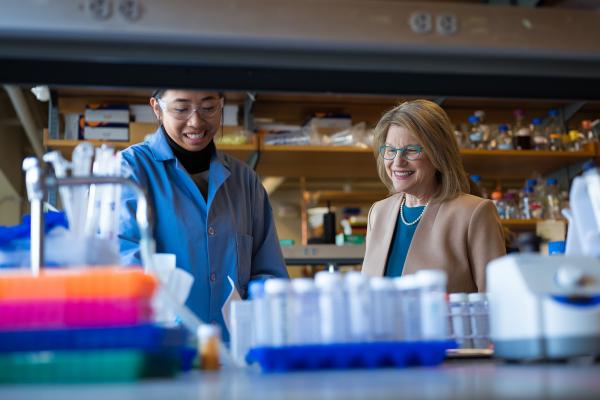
(159,93)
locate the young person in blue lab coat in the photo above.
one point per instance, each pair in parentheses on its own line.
(209,209)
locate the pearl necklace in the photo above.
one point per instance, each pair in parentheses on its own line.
(402,212)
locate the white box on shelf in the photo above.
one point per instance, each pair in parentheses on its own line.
(142,113)
(107,115)
(106,133)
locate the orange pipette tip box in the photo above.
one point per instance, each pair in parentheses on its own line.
(97,282)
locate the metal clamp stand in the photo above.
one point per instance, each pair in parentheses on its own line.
(38,184)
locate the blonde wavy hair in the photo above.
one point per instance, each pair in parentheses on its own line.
(430,124)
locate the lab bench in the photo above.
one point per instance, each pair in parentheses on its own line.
(455,379)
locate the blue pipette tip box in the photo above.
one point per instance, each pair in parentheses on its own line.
(350,355)
(146,337)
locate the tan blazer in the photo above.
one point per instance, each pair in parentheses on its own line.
(460,236)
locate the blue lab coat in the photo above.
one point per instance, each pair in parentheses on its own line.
(230,233)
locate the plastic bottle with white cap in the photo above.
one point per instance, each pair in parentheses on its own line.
(276,296)
(261,323)
(480,322)
(304,322)
(383,295)
(434,309)
(332,307)
(358,297)
(460,319)
(409,308)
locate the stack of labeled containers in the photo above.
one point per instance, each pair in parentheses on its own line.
(83,325)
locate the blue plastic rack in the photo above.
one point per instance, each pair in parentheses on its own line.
(350,355)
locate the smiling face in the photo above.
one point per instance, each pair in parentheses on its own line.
(415,178)
(195,132)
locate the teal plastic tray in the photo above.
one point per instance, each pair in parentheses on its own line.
(86,366)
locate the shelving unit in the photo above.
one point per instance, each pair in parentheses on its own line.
(344,162)
(312,163)
(520,225)
(356,162)
(322,197)
(519,164)
(239,151)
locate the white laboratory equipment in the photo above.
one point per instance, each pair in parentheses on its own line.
(583,236)
(548,307)
(544,307)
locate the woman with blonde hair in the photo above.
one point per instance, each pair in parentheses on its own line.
(429,220)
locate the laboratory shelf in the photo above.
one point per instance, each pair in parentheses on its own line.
(65,147)
(520,164)
(357,162)
(520,224)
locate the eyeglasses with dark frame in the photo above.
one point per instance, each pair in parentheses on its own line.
(411,152)
(183,110)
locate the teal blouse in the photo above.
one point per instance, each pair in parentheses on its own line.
(403,235)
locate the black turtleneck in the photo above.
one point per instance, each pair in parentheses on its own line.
(194,162)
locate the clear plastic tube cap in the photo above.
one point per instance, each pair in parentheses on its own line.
(458,297)
(277,286)
(207,331)
(405,282)
(303,285)
(325,279)
(381,283)
(476,297)
(432,277)
(256,289)
(355,279)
